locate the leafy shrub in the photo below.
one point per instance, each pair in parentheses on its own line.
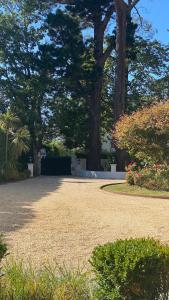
(134,269)
(25,174)
(14,141)
(56,148)
(132,172)
(3,248)
(145,134)
(130,178)
(51,283)
(12,174)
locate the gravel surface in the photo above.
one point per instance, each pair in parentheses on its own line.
(59,219)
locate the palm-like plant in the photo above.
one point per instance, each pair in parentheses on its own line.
(20,141)
(16,138)
(7,122)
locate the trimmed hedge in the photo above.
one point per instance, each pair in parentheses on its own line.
(134,269)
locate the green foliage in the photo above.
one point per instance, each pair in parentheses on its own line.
(152,62)
(70,115)
(51,283)
(70,65)
(50,85)
(14,141)
(12,174)
(133,171)
(75,61)
(134,269)
(56,148)
(135,190)
(3,248)
(23,68)
(130,178)
(147,61)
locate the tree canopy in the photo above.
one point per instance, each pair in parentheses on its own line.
(62,74)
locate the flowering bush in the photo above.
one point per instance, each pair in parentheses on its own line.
(133,171)
(155,177)
(145,134)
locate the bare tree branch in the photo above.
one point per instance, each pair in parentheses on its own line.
(107,52)
(133,4)
(108,16)
(140,18)
(65,2)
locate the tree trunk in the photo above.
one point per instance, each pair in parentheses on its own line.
(36,134)
(120,76)
(36,161)
(126,85)
(94,155)
(6,151)
(94,146)
(122,159)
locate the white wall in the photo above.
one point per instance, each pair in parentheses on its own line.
(79,169)
(102,174)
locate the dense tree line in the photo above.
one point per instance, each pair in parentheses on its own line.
(72,68)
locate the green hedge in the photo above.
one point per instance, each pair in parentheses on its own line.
(134,269)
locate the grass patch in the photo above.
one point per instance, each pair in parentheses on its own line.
(50,283)
(126,189)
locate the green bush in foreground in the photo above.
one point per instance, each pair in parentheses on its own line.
(51,283)
(135,269)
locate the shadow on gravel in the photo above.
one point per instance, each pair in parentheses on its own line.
(16,200)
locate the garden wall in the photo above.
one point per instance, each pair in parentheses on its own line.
(79,169)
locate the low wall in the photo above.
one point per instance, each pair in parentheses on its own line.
(102,174)
(79,169)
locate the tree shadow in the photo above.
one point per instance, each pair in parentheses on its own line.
(16,200)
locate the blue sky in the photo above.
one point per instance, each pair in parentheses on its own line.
(157,12)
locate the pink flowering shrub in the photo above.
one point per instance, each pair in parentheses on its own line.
(133,171)
(155,177)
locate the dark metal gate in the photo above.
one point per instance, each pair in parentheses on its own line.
(55,166)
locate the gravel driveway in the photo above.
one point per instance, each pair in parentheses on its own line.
(63,219)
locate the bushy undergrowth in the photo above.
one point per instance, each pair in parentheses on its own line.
(155,177)
(135,269)
(13,174)
(51,283)
(3,248)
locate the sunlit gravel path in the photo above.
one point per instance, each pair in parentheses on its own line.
(63,219)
